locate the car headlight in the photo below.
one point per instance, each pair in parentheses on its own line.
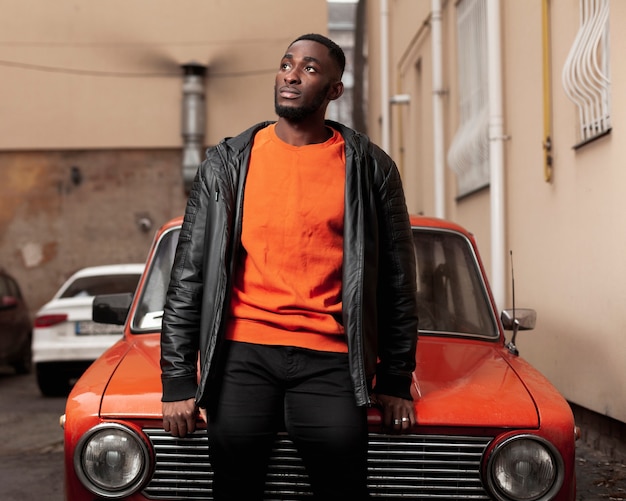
(525,468)
(112,461)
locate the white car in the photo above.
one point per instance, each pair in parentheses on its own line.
(65,339)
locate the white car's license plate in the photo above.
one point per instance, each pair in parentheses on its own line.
(87,328)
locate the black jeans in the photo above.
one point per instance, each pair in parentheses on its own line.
(309,393)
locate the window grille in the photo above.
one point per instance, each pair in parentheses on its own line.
(586,71)
(468,155)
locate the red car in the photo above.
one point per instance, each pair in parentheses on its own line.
(490,426)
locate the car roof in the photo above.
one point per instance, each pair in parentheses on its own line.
(434,222)
(98,271)
(416,221)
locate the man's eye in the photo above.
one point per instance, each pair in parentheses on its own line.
(284,66)
(310,69)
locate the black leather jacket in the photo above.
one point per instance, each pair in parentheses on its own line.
(379,286)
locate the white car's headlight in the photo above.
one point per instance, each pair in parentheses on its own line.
(112,461)
(525,468)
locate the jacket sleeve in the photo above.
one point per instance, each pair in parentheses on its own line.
(397,285)
(182,310)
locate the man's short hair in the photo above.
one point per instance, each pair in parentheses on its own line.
(334,50)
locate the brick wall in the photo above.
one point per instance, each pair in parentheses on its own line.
(65,210)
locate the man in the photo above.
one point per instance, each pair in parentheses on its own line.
(294,279)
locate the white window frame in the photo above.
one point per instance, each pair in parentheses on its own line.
(586,71)
(468,155)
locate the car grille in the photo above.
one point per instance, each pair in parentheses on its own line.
(420,467)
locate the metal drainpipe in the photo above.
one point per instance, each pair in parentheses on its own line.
(438,93)
(384,76)
(193,120)
(496,152)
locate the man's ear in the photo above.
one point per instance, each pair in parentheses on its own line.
(335,91)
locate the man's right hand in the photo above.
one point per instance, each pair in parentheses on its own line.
(179,418)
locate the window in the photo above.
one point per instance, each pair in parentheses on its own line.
(4,287)
(586,71)
(468,155)
(149,313)
(451,295)
(101,284)
(8,287)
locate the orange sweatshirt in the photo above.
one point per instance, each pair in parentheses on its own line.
(287,288)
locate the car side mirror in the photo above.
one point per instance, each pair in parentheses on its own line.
(517,319)
(111,308)
(523,319)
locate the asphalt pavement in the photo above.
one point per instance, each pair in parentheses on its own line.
(31,441)
(598,477)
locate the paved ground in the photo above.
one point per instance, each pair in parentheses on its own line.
(597,477)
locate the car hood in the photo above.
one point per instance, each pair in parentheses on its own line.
(461,382)
(134,390)
(456,383)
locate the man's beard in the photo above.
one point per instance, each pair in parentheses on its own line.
(300,113)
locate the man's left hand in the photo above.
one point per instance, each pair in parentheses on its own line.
(398,413)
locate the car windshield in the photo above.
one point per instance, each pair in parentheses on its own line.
(102,284)
(452,298)
(149,312)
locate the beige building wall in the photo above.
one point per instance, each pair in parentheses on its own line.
(566,234)
(107,74)
(90,128)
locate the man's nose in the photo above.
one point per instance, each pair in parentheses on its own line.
(291,77)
